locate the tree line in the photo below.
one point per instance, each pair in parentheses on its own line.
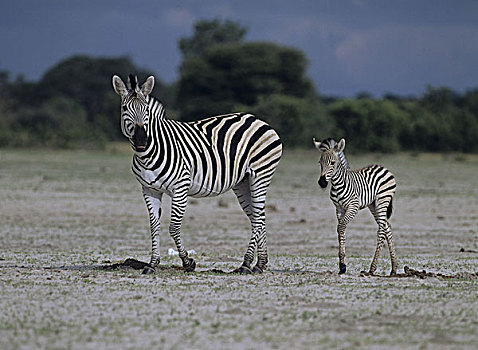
(73,104)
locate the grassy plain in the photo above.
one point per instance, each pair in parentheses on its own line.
(65,214)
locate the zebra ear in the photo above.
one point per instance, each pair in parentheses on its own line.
(317,144)
(119,86)
(340,146)
(148,86)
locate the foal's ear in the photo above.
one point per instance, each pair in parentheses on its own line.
(340,146)
(119,86)
(317,144)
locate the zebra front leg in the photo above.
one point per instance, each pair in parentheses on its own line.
(178,207)
(153,203)
(344,217)
(341,237)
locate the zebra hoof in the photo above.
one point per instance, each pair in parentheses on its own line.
(189,265)
(342,268)
(148,270)
(257,269)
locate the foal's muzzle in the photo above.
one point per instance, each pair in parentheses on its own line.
(322,182)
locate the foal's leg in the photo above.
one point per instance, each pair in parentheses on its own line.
(391,249)
(346,215)
(384,232)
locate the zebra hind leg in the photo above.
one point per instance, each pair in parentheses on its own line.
(252,201)
(384,232)
(258,200)
(243,193)
(391,249)
(380,240)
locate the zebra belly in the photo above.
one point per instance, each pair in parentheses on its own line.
(364,200)
(205,193)
(197,185)
(199,188)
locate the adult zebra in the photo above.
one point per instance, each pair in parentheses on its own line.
(199,159)
(351,190)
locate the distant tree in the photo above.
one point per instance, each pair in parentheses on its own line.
(232,74)
(4,84)
(363,95)
(471,101)
(447,121)
(87,79)
(297,120)
(440,100)
(208,33)
(368,124)
(59,122)
(286,114)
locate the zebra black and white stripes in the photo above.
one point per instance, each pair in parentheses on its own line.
(199,159)
(351,190)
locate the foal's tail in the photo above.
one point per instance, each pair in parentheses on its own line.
(390,209)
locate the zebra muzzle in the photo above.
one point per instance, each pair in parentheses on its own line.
(140,139)
(323,182)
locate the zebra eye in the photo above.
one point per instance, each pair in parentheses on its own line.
(124,108)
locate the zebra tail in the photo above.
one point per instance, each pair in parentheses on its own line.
(390,209)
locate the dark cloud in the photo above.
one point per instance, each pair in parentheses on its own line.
(352,46)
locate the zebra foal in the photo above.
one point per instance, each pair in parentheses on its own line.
(351,190)
(198,159)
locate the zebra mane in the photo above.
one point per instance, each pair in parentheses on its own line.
(330,143)
(132,82)
(157,107)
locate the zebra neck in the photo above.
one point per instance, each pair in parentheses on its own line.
(340,175)
(156,108)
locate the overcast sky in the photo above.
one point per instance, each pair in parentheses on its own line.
(352,46)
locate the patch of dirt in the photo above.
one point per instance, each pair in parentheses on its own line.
(463,250)
(128,263)
(131,263)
